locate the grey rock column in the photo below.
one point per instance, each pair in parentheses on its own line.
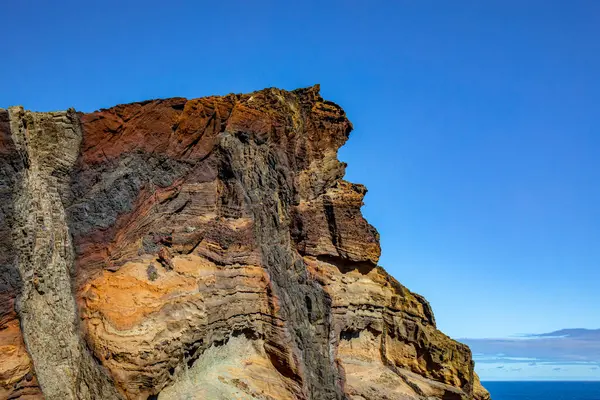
(48,144)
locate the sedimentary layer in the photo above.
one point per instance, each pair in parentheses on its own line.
(204,249)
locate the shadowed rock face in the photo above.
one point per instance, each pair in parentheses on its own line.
(203,249)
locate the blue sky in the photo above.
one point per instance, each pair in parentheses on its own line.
(476,124)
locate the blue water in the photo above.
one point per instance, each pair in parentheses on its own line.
(543,390)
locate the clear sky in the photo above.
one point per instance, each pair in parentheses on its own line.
(477,123)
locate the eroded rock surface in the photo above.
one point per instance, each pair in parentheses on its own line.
(203,249)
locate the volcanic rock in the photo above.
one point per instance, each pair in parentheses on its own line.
(203,249)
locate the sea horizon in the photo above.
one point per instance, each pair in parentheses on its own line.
(543,390)
(541,380)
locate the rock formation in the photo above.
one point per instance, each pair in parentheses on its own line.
(203,249)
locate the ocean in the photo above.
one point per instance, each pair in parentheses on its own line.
(543,390)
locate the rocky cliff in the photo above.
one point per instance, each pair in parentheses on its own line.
(203,249)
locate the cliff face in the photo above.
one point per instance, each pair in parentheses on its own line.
(204,249)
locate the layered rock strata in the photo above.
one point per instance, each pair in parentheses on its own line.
(203,249)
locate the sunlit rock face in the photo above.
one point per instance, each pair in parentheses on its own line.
(203,249)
